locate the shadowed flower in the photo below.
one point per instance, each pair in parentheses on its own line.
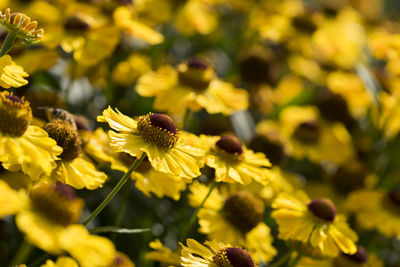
(193,85)
(234,216)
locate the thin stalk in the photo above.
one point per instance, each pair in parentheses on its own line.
(116,189)
(23,253)
(39,260)
(193,218)
(283,259)
(122,208)
(186,119)
(296,260)
(8,43)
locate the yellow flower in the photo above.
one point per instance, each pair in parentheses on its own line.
(306,135)
(169,150)
(214,254)
(360,258)
(123,18)
(163,254)
(61,262)
(351,88)
(22,26)
(234,216)
(11,74)
(12,201)
(313,222)
(32,60)
(376,209)
(196,16)
(233,162)
(73,168)
(340,41)
(23,146)
(127,71)
(193,85)
(84,32)
(48,219)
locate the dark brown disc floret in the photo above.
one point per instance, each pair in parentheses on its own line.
(323,209)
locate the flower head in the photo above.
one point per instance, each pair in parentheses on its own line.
(23,146)
(214,254)
(234,215)
(313,222)
(169,150)
(22,26)
(233,162)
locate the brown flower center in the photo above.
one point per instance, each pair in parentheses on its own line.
(360,256)
(243,210)
(76,24)
(323,209)
(195,73)
(233,257)
(230,144)
(15,114)
(307,132)
(158,129)
(274,150)
(57,202)
(66,137)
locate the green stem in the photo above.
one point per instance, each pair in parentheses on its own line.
(8,43)
(122,208)
(283,259)
(39,260)
(296,260)
(193,218)
(186,118)
(116,189)
(22,254)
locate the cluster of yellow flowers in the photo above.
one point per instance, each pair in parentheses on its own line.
(255,132)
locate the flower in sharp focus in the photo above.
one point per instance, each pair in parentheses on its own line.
(214,254)
(73,168)
(376,209)
(11,74)
(169,150)
(22,26)
(233,162)
(234,216)
(193,85)
(23,146)
(313,222)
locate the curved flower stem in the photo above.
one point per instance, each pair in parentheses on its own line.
(23,253)
(122,208)
(186,118)
(116,189)
(8,43)
(283,259)
(193,218)
(296,260)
